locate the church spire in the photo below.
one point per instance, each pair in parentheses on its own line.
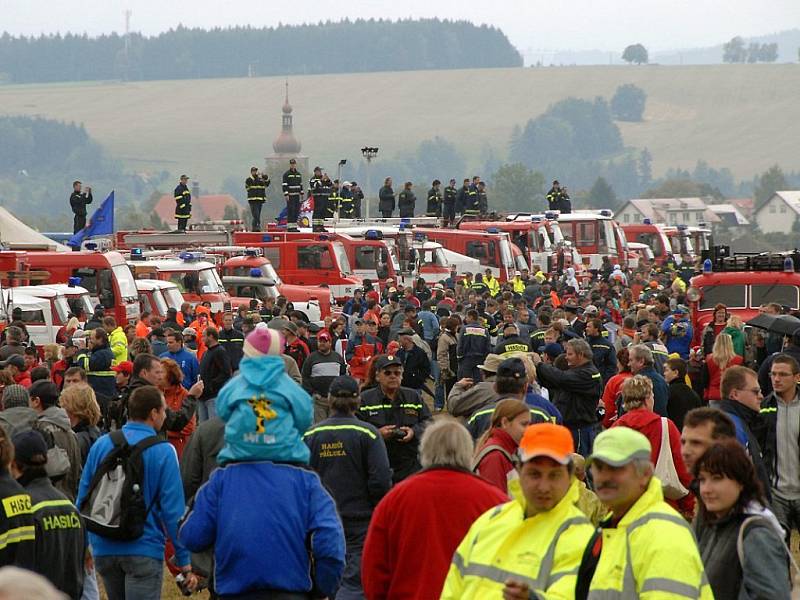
(286,143)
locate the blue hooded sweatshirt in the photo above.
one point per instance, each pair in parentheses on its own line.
(265,412)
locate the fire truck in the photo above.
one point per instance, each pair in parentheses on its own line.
(651,234)
(195,277)
(743,282)
(595,234)
(314,301)
(65,300)
(492,248)
(36,314)
(307,262)
(105,275)
(157,296)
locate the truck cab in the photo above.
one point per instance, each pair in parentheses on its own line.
(651,234)
(309,262)
(595,234)
(105,275)
(37,314)
(743,283)
(61,304)
(157,296)
(196,278)
(491,247)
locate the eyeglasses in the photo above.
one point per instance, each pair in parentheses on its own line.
(393,373)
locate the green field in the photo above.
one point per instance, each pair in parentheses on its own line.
(744,117)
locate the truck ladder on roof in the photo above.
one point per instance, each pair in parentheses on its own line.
(160,239)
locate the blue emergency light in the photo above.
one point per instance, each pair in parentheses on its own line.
(536,219)
(255,272)
(682,227)
(90,246)
(788,265)
(493,230)
(373,234)
(266,238)
(74,281)
(137,254)
(191,256)
(551,215)
(605,213)
(251,252)
(707,266)
(647,221)
(420,237)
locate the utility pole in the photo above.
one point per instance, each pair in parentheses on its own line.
(368,153)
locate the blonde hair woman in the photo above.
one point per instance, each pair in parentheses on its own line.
(721,358)
(735,329)
(84,414)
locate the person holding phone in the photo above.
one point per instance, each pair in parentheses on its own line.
(78,202)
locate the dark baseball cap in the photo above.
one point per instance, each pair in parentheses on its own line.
(513,368)
(384,362)
(15,360)
(30,448)
(553,350)
(344,385)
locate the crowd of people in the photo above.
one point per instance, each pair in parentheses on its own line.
(541,437)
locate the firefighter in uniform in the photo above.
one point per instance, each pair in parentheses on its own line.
(358,196)
(398,413)
(434,200)
(483,200)
(334,200)
(350,458)
(449,209)
(183,203)
(78,201)
(346,202)
(406,201)
(473,346)
(511,342)
(256,186)
(558,199)
(320,192)
(471,200)
(17,528)
(293,193)
(491,282)
(462,197)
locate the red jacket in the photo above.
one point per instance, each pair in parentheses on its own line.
(712,391)
(648,423)
(23,378)
(610,393)
(494,467)
(417,527)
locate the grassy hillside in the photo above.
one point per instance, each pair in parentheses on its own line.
(745,117)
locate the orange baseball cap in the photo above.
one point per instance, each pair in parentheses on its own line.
(546,439)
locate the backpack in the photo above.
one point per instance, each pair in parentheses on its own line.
(114,506)
(58,464)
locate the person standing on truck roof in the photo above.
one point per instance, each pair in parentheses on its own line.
(386,199)
(256,186)
(292,191)
(78,201)
(449,202)
(434,208)
(321,189)
(183,203)
(406,201)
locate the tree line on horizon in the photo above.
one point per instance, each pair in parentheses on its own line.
(192,53)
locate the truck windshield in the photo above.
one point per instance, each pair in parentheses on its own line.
(341,258)
(653,240)
(785,295)
(209,281)
(80,303)
(173,298)
(732,296)
(505,254)
(125,281)
(62,308)
(607,236)
(160,304)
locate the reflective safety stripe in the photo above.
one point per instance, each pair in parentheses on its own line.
(485,411)
(489,572)
(662,584)
(49,503)
(376,406)
(768,410)
(596,376)
(338,427)
(417,406)
(102,373)
(18,534)
(228,340)
(548,418)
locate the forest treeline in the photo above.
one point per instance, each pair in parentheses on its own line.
(331,47)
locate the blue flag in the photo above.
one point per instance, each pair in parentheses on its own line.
(101,223)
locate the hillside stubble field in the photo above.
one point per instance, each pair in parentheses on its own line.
(744,117)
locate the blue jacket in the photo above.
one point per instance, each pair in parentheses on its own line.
(187,361)
(430,325)
(262,519)
(543,407)
(680,340)
(163,491)
(265,412)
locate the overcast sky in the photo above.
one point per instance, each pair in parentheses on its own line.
(530,24)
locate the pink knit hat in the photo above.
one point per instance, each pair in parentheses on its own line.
(263,341)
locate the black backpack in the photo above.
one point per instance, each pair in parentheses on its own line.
(114,506)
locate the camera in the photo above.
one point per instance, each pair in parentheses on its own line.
(181,581)
(398,434)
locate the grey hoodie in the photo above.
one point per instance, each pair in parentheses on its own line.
(17,419)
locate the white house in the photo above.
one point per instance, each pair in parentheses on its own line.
(778,214)
(672,211)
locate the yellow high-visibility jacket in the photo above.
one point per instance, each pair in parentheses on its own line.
(519,284)
(118,342)
(650,555)
(492,283)
(543,551)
